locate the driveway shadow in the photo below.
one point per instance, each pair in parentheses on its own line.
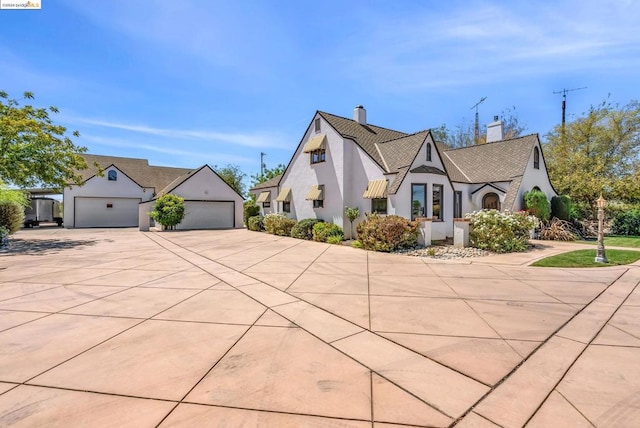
(42,247)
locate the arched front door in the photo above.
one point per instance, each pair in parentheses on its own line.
(490,201)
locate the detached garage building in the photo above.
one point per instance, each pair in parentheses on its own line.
(209,202)
(114,199)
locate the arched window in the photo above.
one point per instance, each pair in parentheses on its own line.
(490,201)
(428,152)
(536,158)
(112,175)
(536,189)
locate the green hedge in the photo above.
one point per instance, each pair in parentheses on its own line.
(561,207)
(250,209)
(537,204)
(388,233)
(304,228)
(256,223)
(278,224)
(627,223)
(11,216)
(323,231)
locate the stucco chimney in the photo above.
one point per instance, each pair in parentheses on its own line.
(494,130)
(360,115)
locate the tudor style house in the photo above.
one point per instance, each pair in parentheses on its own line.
(344,162)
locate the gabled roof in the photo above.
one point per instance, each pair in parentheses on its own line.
(498,161)
(365,136)
(186,176)
(272,182)
(138,170)
(401,152)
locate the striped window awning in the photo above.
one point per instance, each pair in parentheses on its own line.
(315,193)
(377,189)
(284,195)
(264,197)
(316,143)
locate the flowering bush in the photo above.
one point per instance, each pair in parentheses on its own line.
(388,233)
(501,231)
(278,224)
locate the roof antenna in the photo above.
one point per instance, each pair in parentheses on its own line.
(476,136)
(564,101)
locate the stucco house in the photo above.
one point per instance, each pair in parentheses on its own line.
(343,162)
(113,199)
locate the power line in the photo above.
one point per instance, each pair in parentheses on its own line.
(564,100)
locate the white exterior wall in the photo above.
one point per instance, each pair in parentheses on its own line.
(535,177)
(273,195)
(360,171)
(475,199)
(401,202)
(206,185)
(301,175)
(97,186)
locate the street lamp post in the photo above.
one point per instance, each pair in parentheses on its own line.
(600,256)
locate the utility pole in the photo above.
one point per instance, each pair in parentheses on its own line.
(262,155)
(564,102)
(477,123)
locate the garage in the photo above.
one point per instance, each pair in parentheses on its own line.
(208,215)
(106,212)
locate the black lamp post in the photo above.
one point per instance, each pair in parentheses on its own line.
(600,256)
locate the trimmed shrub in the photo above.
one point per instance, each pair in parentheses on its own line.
(168,210)
(389,233)
(304,228)
(250,209)
(278,224)
(322,231)
(501,232)
(561,207)
(335,240)
(627,223)
(537,204)
(256,223)
(11,216)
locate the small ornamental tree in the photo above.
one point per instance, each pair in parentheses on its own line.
(168,211)
(537,204)
(352,214)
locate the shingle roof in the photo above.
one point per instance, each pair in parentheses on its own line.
(138,170)
(497,161)
(365,136)
(401,152)
(512,193)
(273,182)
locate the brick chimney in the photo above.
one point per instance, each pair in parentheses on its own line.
(360,115)
(494,130)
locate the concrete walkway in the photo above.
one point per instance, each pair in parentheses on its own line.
(237,328)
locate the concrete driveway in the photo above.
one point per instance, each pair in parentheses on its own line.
(236,328)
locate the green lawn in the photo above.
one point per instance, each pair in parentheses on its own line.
(586,258)
(618,241)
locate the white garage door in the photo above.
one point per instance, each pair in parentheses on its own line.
(106,212)
(207,215)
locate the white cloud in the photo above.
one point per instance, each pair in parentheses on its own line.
(191,156)
(258,139)
(485,42)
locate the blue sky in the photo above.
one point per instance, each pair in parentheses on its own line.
(183,83)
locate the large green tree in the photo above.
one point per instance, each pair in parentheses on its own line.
(33,150)
(234,177)
(267,174)
(597,152)
(463,135)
